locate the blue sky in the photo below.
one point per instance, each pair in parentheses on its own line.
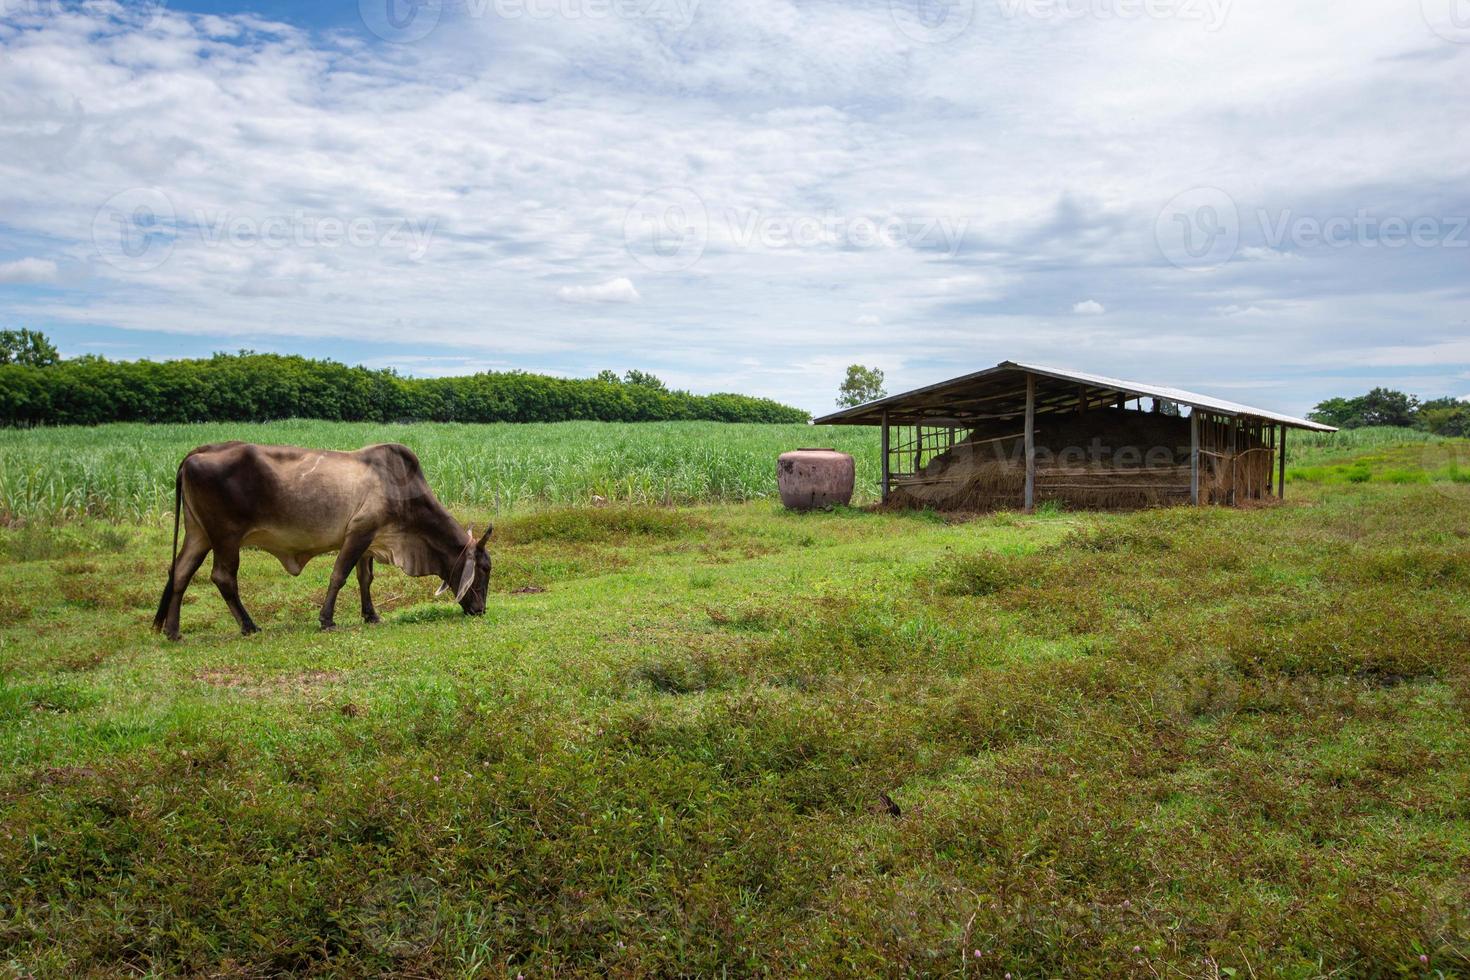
(1267,201)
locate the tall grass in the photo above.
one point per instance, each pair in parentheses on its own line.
(1310,448)
(126,471)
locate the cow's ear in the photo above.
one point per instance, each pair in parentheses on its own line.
(486,539)
(466,579)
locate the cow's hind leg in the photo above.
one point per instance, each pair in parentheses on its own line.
(353,551)
(365,587)
(225,576)
(189,558)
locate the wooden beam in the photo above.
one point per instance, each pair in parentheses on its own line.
(1281,462)
(1194,456)
(1030,443)
(883,452)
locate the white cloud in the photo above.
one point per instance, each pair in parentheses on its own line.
(523,143)
(868,320)
(620,290)
(27,271)
(1088,307)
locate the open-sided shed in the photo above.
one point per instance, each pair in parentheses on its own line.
(1022,434)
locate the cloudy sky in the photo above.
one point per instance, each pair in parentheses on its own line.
(1266,200)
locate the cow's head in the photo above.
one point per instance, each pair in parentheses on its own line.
(470,574)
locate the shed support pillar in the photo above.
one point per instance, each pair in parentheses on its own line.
(1030,443)
(1194,456)
(883,453)
(1281,465)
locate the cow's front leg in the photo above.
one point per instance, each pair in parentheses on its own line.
(226,577)
(352,552)
(365,587)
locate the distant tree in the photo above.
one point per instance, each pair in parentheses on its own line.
(609,377)
(1338,412)
(1381,406)
(28,347)
(1444,417)
(1384,406)
(644,380)
(862,385)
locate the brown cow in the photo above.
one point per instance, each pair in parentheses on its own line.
(300,503)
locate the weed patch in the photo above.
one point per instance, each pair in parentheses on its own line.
(601,524)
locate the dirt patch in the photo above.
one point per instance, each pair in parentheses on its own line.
(528,590)
(65,775)
(305,682)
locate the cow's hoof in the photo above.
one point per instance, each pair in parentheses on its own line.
(372,620)
(249,630)
(329,627)
(172,637)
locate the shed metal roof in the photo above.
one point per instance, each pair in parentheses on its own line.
(999,392)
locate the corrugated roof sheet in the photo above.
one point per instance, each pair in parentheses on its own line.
(1193,399)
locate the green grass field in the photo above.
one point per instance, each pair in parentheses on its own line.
(1203,743)
(126,471)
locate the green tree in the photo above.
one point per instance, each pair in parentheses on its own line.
(643,379)
(1444,417)
(608,377)
(1381,406)
(862,385)
(1384,406)
(1337,412)
(28,347)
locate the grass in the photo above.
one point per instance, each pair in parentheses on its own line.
(125,472)
(1179,742)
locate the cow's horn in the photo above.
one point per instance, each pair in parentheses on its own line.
(466,579)
(443,588)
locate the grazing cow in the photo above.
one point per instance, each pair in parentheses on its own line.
(300,503)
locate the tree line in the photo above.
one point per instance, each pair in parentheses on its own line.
(252,387)
(1385,406)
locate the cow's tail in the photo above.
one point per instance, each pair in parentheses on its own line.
(168,587)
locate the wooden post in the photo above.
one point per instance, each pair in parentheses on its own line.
(1030,443)
(1194,455)
(1234,459)
(1271,460)
(1281,463)
(883,452)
